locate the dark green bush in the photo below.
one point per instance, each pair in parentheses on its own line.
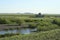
(56,21)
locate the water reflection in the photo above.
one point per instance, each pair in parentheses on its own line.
(21,31)
(25,31)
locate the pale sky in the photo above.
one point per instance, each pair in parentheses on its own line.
(33,6)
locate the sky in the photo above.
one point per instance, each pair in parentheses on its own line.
(32,6)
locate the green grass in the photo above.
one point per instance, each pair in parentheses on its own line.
(41,24)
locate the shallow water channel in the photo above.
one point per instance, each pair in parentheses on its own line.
(21,31)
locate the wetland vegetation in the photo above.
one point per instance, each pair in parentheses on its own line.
(47,26)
